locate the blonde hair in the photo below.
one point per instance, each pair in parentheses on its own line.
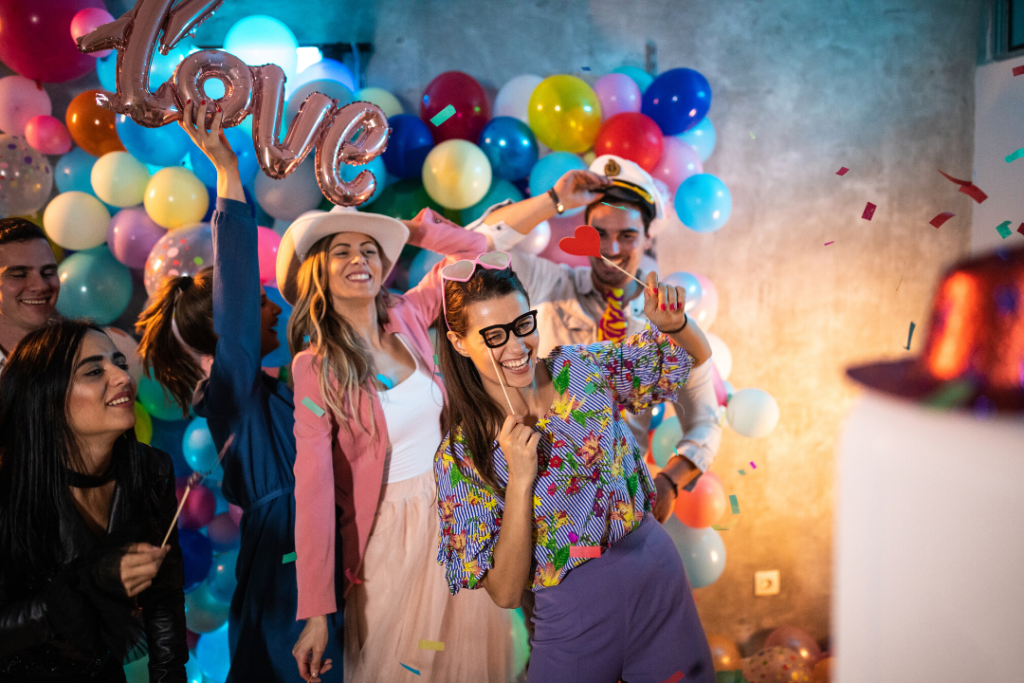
(339,352)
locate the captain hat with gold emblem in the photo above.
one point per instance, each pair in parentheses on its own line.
(630,183)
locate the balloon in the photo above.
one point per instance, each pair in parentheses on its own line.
(203,612)
(499,191)
(163,146)
(456,174)
(618,94)
(20,101)
(546,172)
(199,507)
(185,251)
(76,220)
(657,417)
(324,70)
(213,654)
(563,226)
(514,97)
(724,653)
(421,264)
(408,148)
(127,345)
(751,412)
(691,286)
(267,242)
(703,203)
(333,89)
(47,135)
(241,145)
(25,177)
(642,79)
(236,80)
(88,20)
(704,505)
(137,671)
(520,643)
(701,137)
(537,241)
(259,39)
(730,391)
(678,162)
(157,402)
(510,147)
(666,437)
(794,639)
(292,196)
(200,453)
(91,126)
(702,550)
(143,424)
(119,179)
(35,39)
(175,197)
(677,100)
(822,672)
(164,65)
(358,134)
(776,665)
(73,171)
(193,671)
(106,71)
(631,136)
(235,511)
(721,356)
(405,198)
(565,114)
(279,159)
(461,91)
(198,555)
(93,285)
(221,582)
(388,103)
(280,356)
(223,533)
(376,167)
(706,310)
(131,235)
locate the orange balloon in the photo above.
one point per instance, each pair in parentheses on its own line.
(724,653)
(703,506)
(91,126)
(822,671)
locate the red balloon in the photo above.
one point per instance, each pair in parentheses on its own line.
(199,507)
(632,136)
(466,96)
(703,506)
(35,39)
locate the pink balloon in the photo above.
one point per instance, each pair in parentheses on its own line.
(48,135)
(199,508)
(794,639)
(88,20)
(223,532)
(706,311)
(131,236)
(617,93)
(678,162)
(35,39)
(235,512)
(20,101)
(267,243)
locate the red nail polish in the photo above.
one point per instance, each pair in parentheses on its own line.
(218,109)
(663,307)
(189,101)
(203,102)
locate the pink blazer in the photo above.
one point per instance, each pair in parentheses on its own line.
(336,467)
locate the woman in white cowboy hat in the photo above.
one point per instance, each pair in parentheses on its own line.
(368,400)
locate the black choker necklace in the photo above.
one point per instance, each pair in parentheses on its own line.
(88,481)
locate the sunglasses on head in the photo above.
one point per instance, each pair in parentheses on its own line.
(462,271)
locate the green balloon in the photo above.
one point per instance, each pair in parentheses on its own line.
(405,198)
(666,438)
(641,77)
(499,191)
(156,402)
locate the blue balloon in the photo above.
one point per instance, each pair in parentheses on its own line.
(162,67)
(193,671)
(280,356)
(666,439)
(241,145)
(94,285)
(163,146)
(106,69)
(701,137)
(214,655)
(73,172)
(703,203)
(200,453)
(677,100)
(376,167)
(197,551)
(325,69)
(549,169)
(499,191)
(221,582)
(408,146)
(510,147)
(639,76)
(657,415)
(218,495)
(702,550)
(421,264)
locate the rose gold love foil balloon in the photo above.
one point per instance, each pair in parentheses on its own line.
(134,35)
(199,67)
(358,134)
(278,159)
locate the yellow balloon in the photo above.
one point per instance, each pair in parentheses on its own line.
(175,197)
(388,103)
(565,114)
(119,179)
(456,174)
(76,220)
(143,424)
(724,654)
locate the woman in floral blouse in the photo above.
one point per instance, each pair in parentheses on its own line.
(542,487)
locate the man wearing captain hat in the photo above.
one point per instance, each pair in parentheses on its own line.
(587,304)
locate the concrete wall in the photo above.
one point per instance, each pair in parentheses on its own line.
(801,87)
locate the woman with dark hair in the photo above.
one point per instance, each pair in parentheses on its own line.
(84,508)
(552,495)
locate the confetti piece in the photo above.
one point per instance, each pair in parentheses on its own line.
(940,219)
(409,668)
(1015,155)
(675,678)
(751,135)
(388,384)
(742,472)
(313,407)
(719,528)
(432,645)
(828,243)
(967,187)
(439,118)
(842,171)
(951,394)
(869,211)
(290,557)
(305,340)
(735,504)
(1021,229)
(753,465)
(584,551)
(910,336)
(1018,70)
(1004,229)
(586,68)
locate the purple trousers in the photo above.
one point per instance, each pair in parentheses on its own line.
(627,615)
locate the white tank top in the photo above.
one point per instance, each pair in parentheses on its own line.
(412,410)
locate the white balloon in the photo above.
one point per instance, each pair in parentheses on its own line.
(333,89)
(537,240)
(514,97)
(388,103)
(76,220)
(753,413)
(293,195)
(648,264)
(721,356)
(119,179)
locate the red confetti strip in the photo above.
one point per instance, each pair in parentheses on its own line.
(1018,70)
(842,171)
(968,188)
(940,219)
(869,211)
(1021,229)
(675,678)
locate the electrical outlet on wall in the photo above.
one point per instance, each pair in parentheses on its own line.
(766,582)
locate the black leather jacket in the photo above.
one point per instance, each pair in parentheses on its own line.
(55,633)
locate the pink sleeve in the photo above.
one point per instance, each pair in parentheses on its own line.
(314,494)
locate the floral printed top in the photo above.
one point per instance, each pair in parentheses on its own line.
(592,486)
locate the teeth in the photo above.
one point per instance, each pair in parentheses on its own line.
(119,401)
(33,301)
(516,365)
(360,276)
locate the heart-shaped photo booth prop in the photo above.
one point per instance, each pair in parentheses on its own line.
(586,242)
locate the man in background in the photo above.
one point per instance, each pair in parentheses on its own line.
(29,284)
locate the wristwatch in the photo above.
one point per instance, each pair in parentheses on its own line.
(559,206)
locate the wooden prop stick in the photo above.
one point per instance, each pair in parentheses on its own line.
(192,481)
(626,272)
(497,371)
(586,241)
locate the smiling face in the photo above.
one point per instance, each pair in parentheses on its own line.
(101,397)
(623,241)
(517,357)
(354,266)
(28,285)
(269,311)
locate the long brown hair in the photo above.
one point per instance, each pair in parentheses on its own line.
(187,302)
(469,408)
(340,352)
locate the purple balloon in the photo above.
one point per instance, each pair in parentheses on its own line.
(131,236)
(183,251)
(617,93)
(793,638)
